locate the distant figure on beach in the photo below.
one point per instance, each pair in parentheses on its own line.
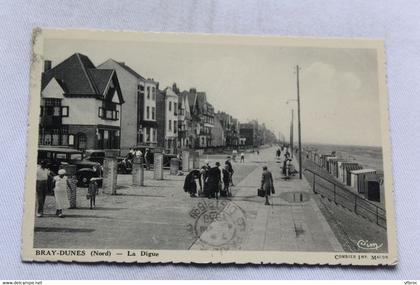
(242,157)
(267,184)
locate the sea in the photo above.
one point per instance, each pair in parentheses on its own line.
(367,156)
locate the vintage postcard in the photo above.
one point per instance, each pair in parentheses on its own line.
(154,147)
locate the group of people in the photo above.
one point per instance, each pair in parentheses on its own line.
(213,181)
(64,189)
(137,154)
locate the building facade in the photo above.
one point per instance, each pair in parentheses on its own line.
(185,125)
(80,105)
(248,134)
(138,118)
(202,113)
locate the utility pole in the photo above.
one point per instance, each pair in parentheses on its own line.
(291,135)
(299,127)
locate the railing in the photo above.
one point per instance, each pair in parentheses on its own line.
(340,195)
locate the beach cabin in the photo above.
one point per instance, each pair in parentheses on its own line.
(323,160)
(330,163)
(358,179)
(347,169)
(341,167)
(372,187)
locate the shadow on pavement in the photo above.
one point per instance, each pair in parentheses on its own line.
(60,230)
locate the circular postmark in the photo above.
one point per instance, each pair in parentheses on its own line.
(217,224)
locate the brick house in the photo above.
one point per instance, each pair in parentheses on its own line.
(80,105)
(138,119)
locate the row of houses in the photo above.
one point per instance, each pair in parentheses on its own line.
(113,107)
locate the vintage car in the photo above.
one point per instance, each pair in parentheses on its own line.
(95,155)
(59,156)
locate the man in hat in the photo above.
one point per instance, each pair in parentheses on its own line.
(214,181)
(42,175)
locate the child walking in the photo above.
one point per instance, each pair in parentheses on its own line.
(92,192)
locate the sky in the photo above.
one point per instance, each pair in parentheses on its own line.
(338,86)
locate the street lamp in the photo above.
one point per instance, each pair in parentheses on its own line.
(299,126)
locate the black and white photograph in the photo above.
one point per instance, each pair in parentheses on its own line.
(154,147)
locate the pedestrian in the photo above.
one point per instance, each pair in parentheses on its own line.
(226,181)
(93,190)
(61,184)
(278,153)
(242,157)
(71,192)
(229,169)
(138,153)
(130,155)
(147,158)
(214,181)
(203,177)
(42,175)
(258,151)
(267,184)
(234,154)
(190,185)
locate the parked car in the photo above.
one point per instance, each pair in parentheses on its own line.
(58,156)
(95,155)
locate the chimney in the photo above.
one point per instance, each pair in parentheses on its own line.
(47,65)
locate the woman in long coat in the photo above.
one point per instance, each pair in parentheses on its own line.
(190,185)
(267,184)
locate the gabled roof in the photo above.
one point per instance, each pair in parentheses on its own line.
(77,75)
(127,68)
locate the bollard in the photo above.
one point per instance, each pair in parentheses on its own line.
(109,184)
(138,172)
(158,166)
(174,166)
(185,161)
(196,160)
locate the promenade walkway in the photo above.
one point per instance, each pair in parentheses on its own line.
(158,216)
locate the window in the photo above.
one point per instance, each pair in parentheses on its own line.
(170,125)
(170,106)
(60,156)
(147,112)
(57,111)
(109,114)
(175,109)
(153,93)
(71,139)
(153,113)
(65,111)
(76,156)
(175,126)
(148,92)
(100,112)
(41,113)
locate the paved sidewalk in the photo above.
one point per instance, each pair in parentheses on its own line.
(288,224)
(161,216)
